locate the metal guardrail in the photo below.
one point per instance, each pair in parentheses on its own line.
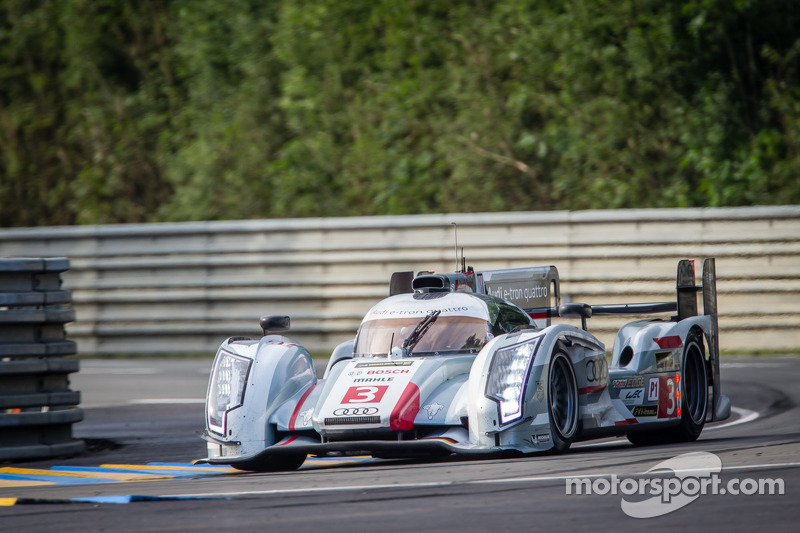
(185,287)
(37,407)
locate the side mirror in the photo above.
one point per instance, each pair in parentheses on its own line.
(274,324)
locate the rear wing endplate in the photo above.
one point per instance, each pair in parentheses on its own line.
(687,307)
(721,410)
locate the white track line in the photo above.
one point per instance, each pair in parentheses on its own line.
(498,481)
(745,415)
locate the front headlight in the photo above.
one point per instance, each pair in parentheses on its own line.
(507,374)
(226,388)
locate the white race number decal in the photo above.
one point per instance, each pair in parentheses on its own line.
(365,394)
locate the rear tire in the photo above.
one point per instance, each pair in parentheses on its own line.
(694,390)
(562,394)
(694,398)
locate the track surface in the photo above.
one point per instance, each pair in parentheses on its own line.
(140,412)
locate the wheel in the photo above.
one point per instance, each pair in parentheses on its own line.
(694,390)
(694,398)
(562,392)
(273,463)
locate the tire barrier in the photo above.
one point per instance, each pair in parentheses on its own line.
(37,407)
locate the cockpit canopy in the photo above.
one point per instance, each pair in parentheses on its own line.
(435,324)
(447,334)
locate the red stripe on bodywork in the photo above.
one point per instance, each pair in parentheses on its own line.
(625,422)
(291,440)
(589,390)
(404,413)
(537,316)
(299,406)
(673,341)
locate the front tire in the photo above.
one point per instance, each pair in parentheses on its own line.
(562,393)
(273,463)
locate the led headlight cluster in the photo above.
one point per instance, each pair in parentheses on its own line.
(226,389)
(507,374)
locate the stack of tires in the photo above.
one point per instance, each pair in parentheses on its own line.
(37,407)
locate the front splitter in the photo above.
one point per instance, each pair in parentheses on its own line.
(376,448)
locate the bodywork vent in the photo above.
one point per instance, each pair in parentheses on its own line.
(350,420)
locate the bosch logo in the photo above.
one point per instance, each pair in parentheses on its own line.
(394,371)
(355,411)
(596,370)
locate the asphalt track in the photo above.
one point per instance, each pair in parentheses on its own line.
(141,422)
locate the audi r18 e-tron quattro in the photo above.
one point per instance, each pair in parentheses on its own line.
(469,363)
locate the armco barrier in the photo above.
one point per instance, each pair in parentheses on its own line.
(37,407)
(185,287)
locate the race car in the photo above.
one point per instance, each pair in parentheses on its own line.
(469,363)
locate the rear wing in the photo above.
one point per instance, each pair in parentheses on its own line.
(686,307)
(536,290)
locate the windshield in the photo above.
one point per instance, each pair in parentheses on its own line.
(445,334)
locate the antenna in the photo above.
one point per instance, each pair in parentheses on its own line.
(455,235)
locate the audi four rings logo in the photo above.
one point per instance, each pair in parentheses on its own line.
(354,411)
(596,369)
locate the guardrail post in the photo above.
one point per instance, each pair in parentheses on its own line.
(37,407)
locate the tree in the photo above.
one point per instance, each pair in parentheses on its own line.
(154,110)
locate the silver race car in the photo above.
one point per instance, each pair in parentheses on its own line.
(468,363)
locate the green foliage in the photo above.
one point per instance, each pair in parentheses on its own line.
(157,110)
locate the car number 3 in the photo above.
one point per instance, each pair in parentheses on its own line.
(671,396)
(365,394)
